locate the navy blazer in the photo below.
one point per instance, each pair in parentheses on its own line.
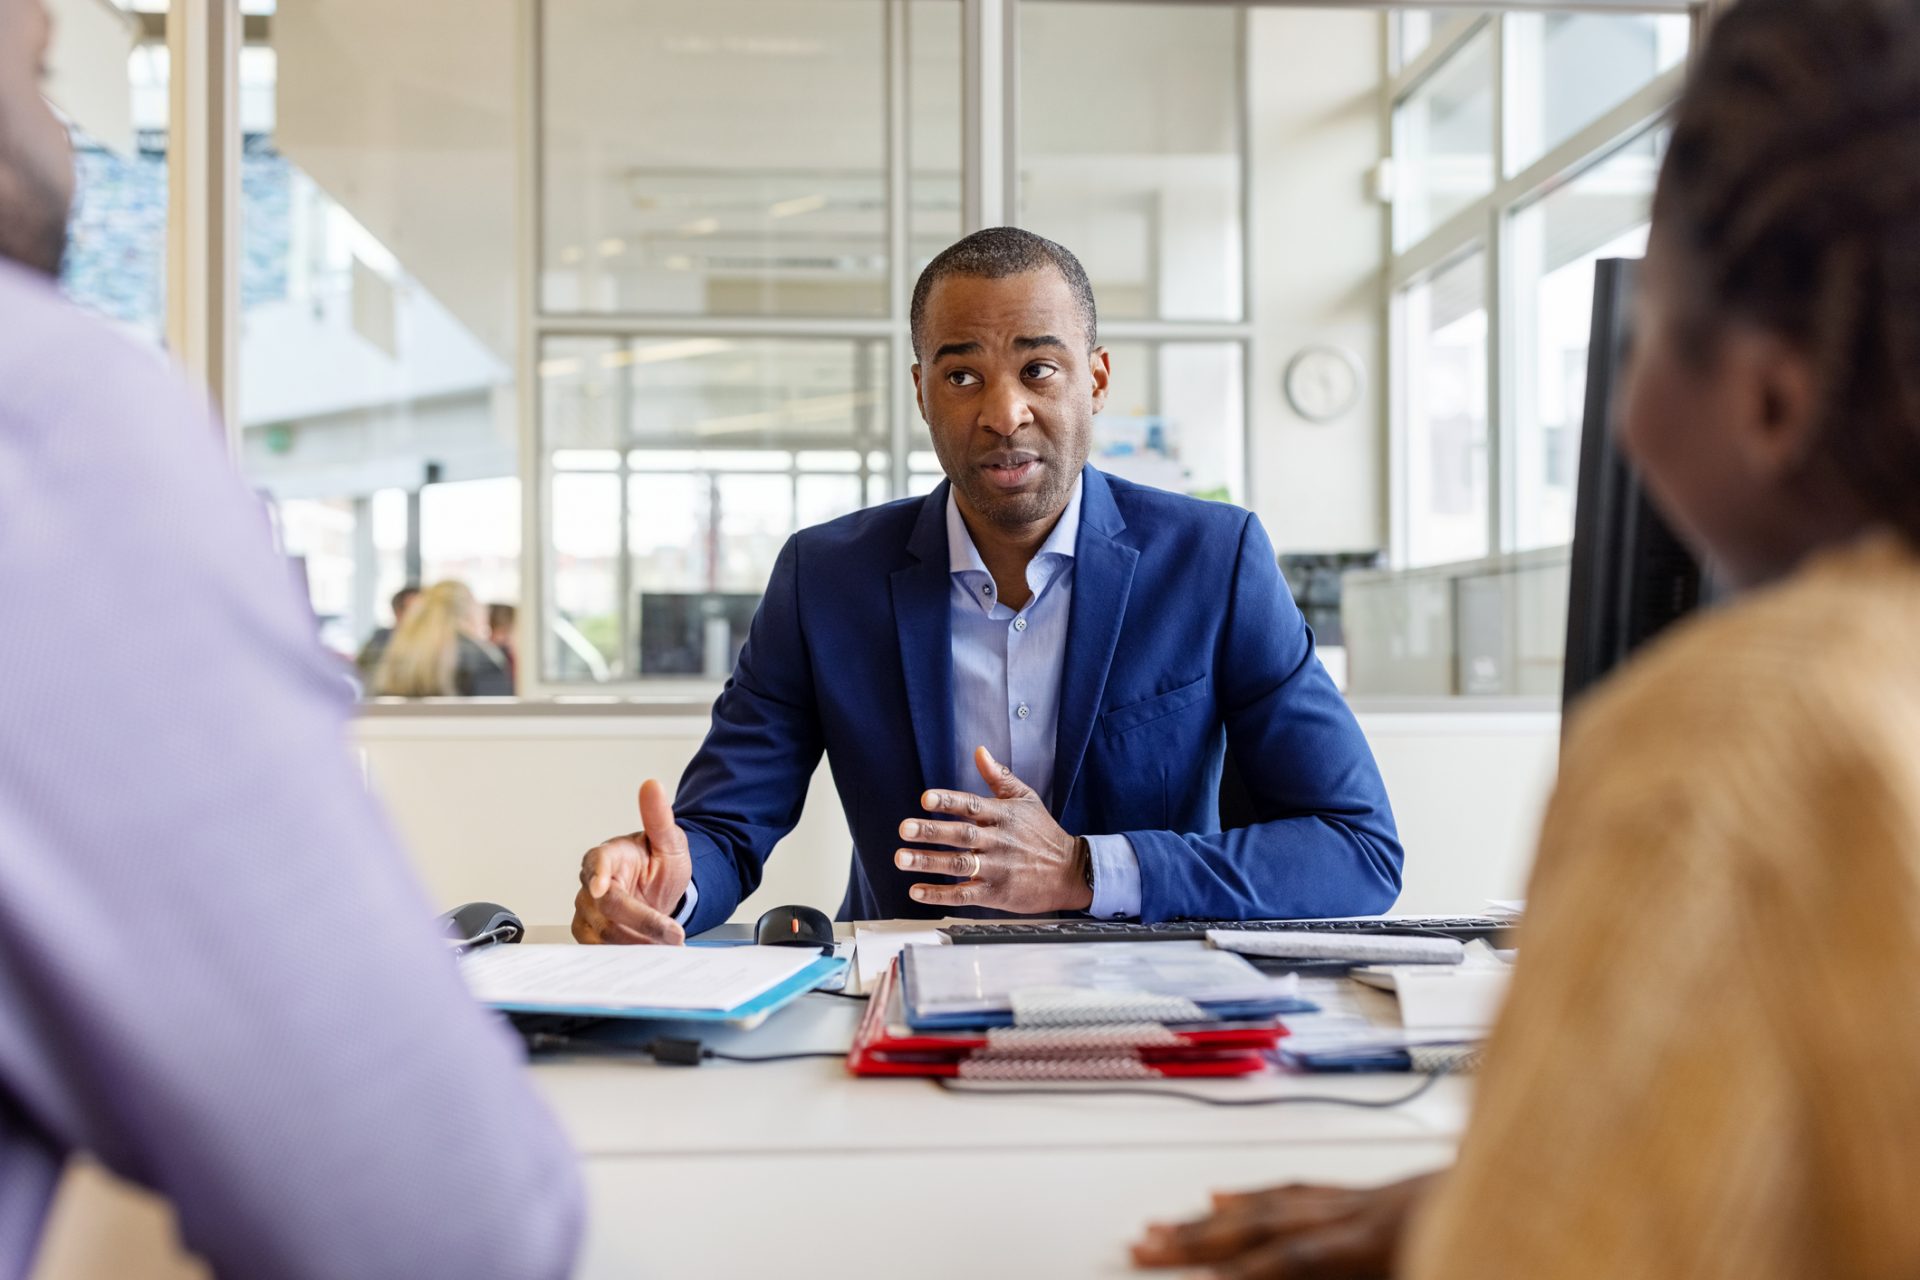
(1183,639)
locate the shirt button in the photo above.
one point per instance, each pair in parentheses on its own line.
(987,590)
(1023,712)
(1019,624)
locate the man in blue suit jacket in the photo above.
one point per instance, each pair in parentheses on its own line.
(1050,660)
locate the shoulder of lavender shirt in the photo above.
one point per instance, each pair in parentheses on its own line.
(51,343)
(98,412)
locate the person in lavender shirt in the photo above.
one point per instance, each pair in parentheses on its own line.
(217,976)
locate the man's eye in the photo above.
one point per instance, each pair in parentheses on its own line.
(1038,371)
(961,378)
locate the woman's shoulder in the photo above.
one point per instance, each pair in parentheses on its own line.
(1773,674)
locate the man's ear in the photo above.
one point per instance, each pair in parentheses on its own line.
(1777,398)
(1102,365)
(918,401)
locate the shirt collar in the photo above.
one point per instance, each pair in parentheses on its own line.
(963,556)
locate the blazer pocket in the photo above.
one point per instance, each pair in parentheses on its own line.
(1135,714)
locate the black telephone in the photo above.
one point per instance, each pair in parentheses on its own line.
(480,924)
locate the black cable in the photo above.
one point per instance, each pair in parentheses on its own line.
(666,1050)
(1368,1104)
(844,995)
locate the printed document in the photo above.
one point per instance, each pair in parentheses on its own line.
(692,978)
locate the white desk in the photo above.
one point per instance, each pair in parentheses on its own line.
(722,1169)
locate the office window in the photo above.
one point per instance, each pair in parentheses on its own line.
(1443,323)
(1443,142)
(715,157)
(709,452)
(934,41)
(1525,150)
(378,306)
(1130,152)
(1570,68)
(1601,213)
(1413,31)
(1175,416)
(115,101)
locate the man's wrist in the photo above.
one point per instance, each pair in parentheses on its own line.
(1081,891)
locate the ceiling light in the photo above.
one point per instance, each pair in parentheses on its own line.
(796,206)
(658,352)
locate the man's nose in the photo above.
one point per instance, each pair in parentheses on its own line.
(1005,409)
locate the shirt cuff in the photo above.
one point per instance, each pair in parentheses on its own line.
(1116,878)
(692,900)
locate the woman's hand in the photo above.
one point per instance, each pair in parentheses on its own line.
(1291,1233)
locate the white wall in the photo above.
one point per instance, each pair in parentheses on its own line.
(502,807)
(1317,240)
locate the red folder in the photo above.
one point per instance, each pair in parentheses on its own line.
(885,1045)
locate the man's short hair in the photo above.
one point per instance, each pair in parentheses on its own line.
(994,254)
(403,595)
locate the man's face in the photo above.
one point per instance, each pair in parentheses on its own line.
(36,158)
(1009,389)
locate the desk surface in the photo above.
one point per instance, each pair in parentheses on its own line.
(717,1169)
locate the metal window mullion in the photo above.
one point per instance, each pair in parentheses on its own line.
(1454,237)
(1633,116)
(1250,348)
(534,635)
(1174,331)
(1010,111)
(1390,348)
(984,163)
(899,245)
(629,325)
(1499,450)
(203,199)
(1447,41)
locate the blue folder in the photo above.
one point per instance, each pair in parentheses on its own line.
(749,1014)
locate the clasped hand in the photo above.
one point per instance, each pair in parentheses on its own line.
(1014,857)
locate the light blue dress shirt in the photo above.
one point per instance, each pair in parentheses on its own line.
(1006,688)
(1006,683)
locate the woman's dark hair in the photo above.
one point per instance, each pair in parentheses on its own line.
(1790,198)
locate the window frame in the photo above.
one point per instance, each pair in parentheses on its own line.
(990,114)
(1488,224)
(204,39)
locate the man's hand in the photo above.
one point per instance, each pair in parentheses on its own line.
(1016,856)
(1292,1233)
(630,885)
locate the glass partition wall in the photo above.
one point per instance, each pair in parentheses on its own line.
(591,304)
(734,199)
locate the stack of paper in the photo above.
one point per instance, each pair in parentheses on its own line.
(732,984)
(1058,1011)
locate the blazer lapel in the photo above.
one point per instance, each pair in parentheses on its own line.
(921,614)
(1102,577)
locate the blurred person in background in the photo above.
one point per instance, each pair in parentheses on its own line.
(218,976)
(443,650)
(1708,1065)
(376,646)
(500,620)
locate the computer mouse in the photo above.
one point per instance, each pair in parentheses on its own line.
(794,927)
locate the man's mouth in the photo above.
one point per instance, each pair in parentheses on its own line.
(1010,471)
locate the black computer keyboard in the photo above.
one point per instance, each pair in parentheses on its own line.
(1464,928)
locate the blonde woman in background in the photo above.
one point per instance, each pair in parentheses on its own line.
(441,650)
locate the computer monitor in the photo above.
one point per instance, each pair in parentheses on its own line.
(1631,577)
(695,633)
